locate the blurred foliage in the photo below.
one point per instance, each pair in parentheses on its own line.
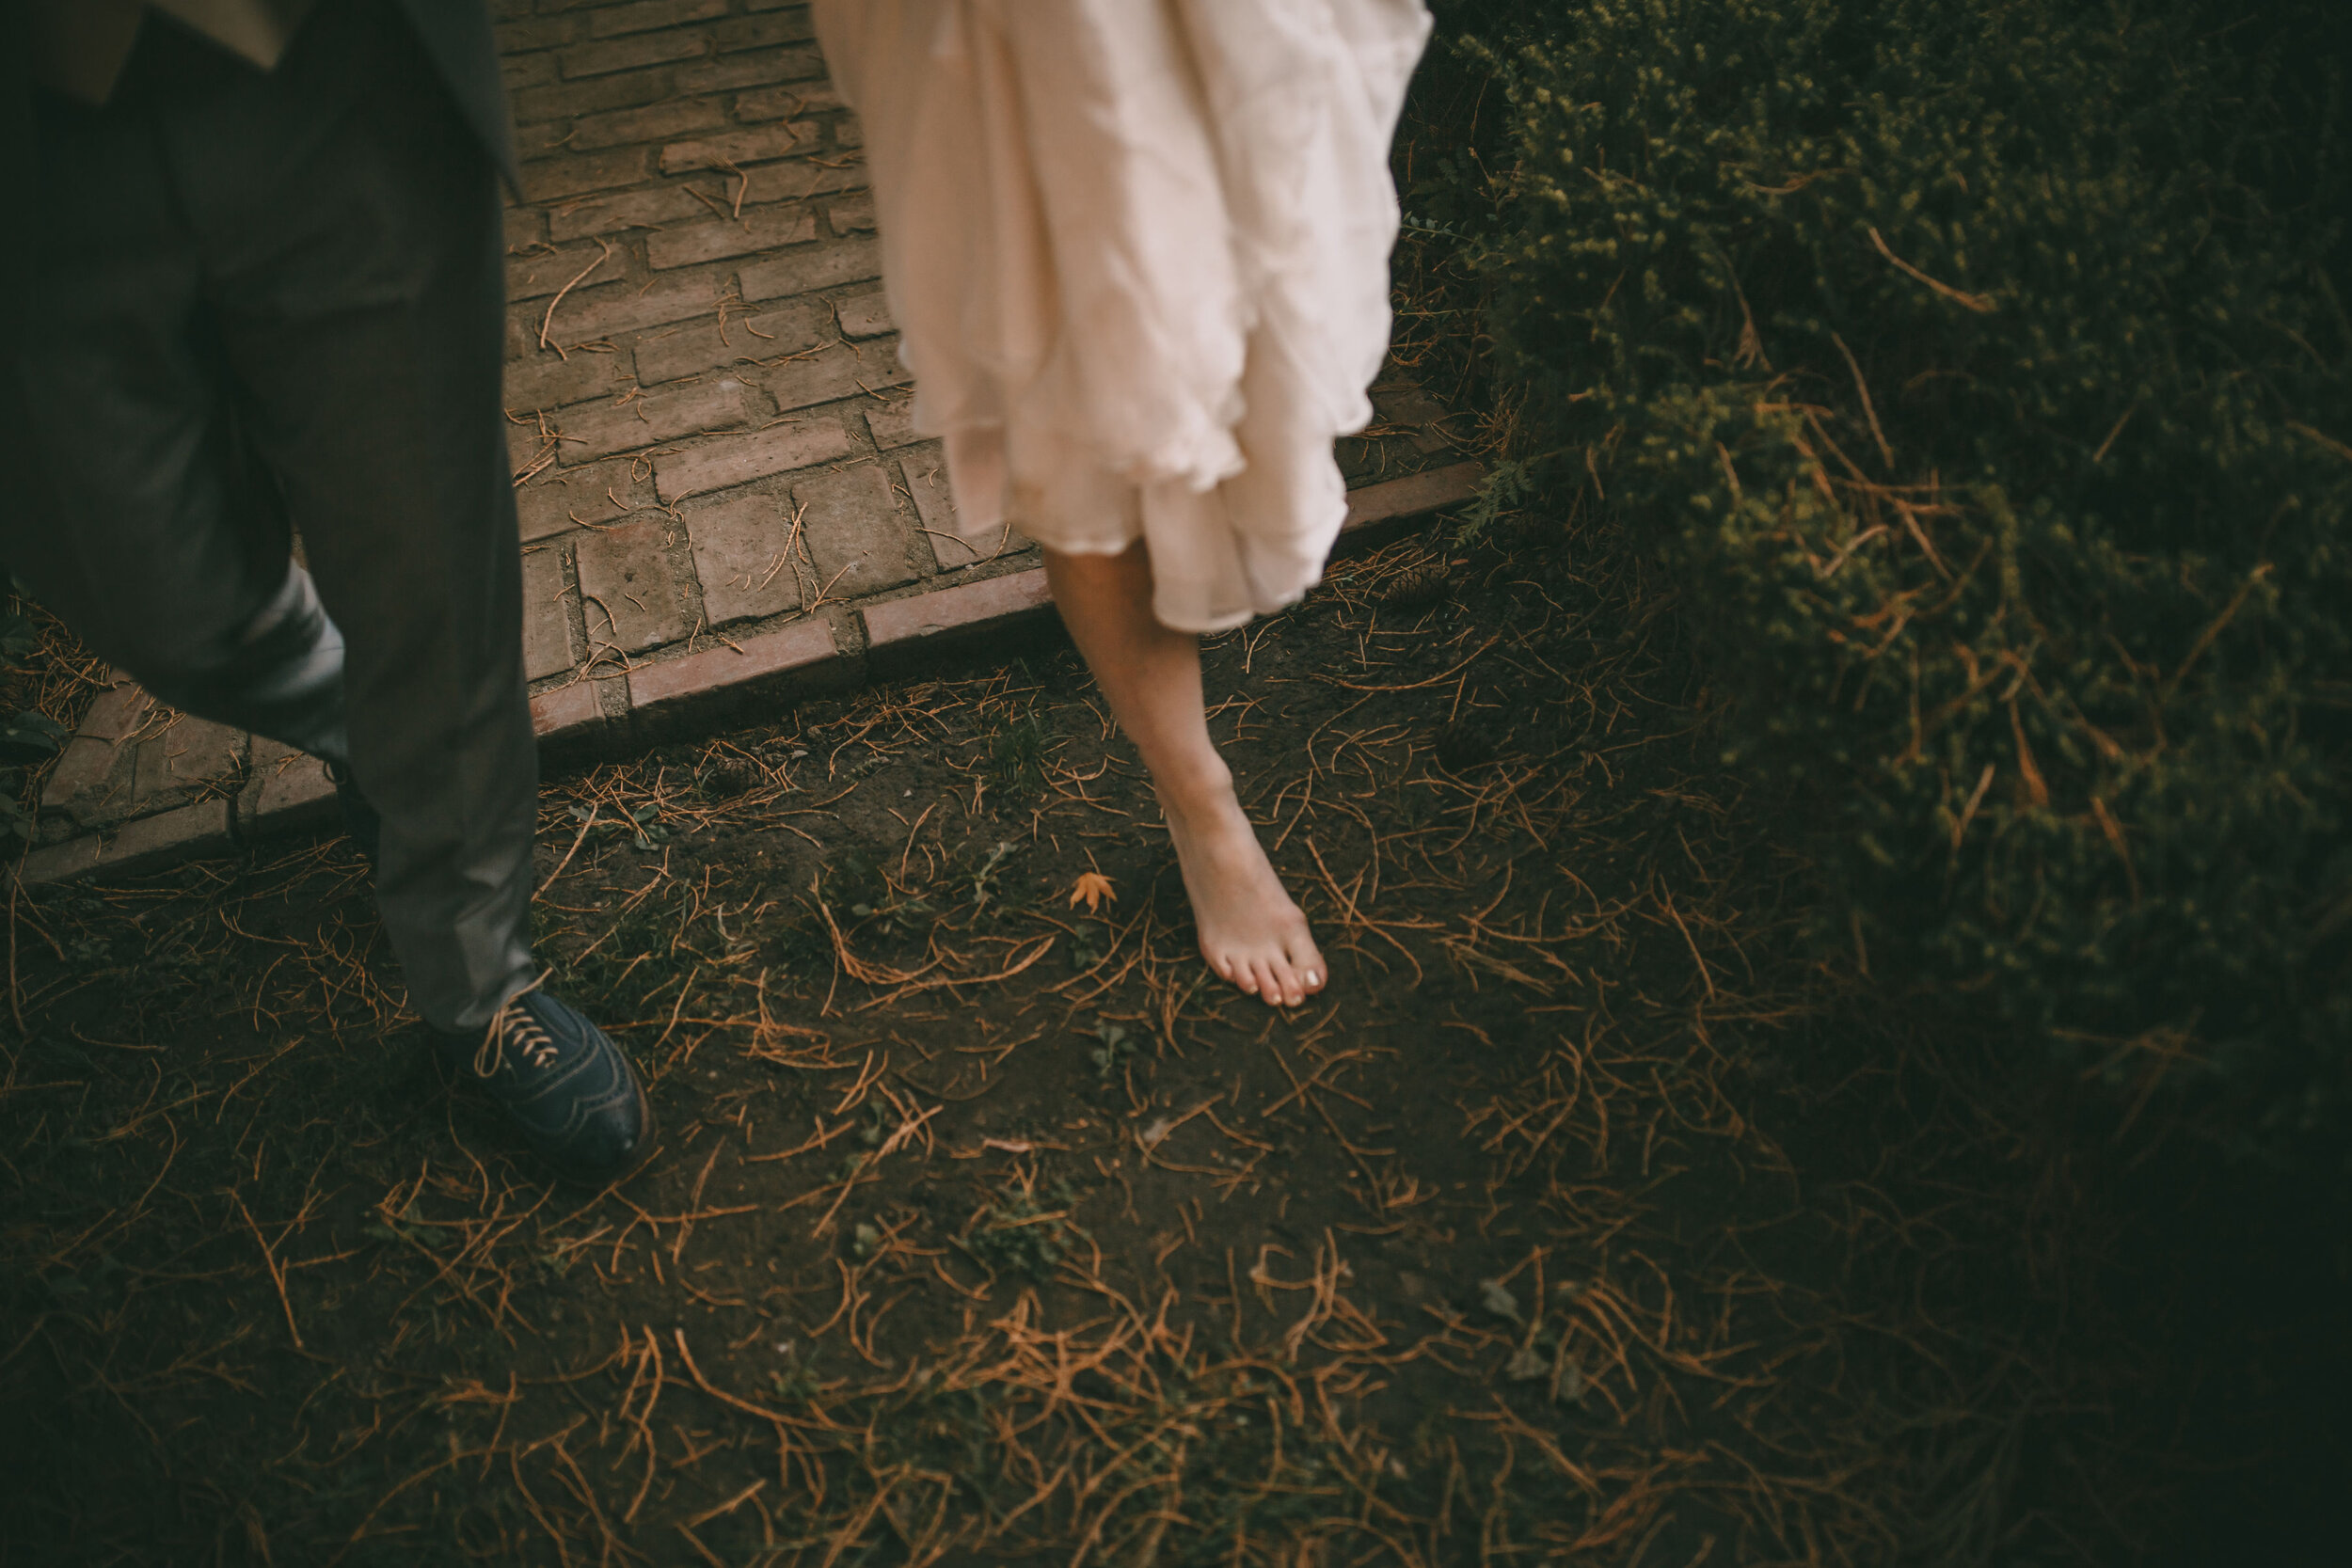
(1978,367)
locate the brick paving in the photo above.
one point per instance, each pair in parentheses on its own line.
(723,504)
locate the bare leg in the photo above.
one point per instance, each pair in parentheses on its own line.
(1251,931)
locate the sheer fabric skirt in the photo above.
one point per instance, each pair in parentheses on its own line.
(1138,251)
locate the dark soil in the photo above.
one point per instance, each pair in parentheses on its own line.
(1578,1219)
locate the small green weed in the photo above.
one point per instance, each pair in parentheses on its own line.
(1091,944)
(874,902)
(1113,1052)
(1016,755)
(1022,1237)
(984,889)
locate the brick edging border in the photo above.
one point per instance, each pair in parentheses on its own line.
(610,715)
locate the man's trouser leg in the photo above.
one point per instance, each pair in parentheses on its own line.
(272,299)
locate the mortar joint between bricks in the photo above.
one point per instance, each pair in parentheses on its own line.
(677,551)
(848,631)
(612,702)
(575,607)
(913,544)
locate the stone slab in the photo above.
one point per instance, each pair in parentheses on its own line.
(925,476)
(117,712)
(711,343)
(568,713)
(287,791)
(760,673)
(786,103)
(761,228)
(545,96)
(526,72)
(851,526)
(760,32)
(148,843)
(839,370)
(94,769)
(1398,500)
(83,780)
(904,635)
(630,595)
(547,620)
(597,430)
(750,70)
(540,380)
(584,316)
(852,215)
(651,122)
(740,544)
(727,461)
(610,214)
(1412,407)
(180,758)
(551,178)
(819,267)
(60,863)
(892,422)
(186,832)
(591,496)
(629,53)
(865,315)
(673,695)
(529,447)
(754,144)
(643,16)
(795,181)
(538,276)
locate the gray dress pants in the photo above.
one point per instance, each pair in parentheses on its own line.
(271,303)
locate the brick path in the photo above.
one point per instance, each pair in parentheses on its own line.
(723,506)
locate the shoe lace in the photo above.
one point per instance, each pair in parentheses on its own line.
(514,1024)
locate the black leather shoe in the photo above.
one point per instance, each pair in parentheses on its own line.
(562,1084)
(362,824)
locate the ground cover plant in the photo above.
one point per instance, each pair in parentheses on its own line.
(1586,1218)
(1978,372)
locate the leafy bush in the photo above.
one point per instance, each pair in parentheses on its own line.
(1976,367)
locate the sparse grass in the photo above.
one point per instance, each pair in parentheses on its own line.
(1017,754)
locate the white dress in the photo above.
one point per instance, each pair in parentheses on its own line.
(1138,251)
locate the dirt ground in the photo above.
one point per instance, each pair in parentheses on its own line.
(1578,1219)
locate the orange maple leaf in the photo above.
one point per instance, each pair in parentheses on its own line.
(1093,890)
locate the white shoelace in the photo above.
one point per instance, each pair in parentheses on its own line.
(514,1022)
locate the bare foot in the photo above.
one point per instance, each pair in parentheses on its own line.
(1251,931)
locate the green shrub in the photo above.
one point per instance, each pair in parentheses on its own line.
(1975,366)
